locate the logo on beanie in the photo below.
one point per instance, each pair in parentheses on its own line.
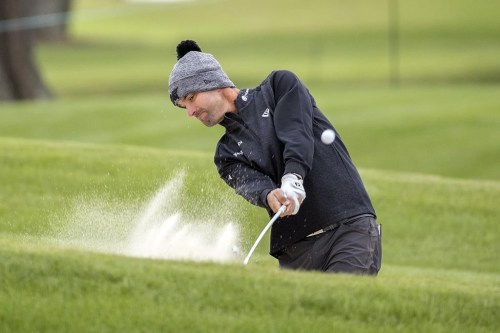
(208,81)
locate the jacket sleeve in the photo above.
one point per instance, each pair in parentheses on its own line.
(293,119)
(248,182)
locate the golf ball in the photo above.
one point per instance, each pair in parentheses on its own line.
(328,136)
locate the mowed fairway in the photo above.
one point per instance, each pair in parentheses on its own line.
(428,152)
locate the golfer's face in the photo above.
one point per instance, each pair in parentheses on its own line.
(207,107)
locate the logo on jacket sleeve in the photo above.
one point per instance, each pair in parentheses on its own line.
(266,113)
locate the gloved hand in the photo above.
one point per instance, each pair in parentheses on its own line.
(293,188)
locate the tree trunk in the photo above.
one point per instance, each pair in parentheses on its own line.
(5,91)
(19,76)
(56,16)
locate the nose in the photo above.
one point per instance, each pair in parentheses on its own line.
(190,110)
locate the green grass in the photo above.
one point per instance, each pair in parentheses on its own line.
(326,42)
(417,211)
(156,296)
(432,279)
(443,130)
(427,151)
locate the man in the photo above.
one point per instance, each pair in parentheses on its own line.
(272,155)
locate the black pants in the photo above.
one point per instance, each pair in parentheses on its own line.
(351,247)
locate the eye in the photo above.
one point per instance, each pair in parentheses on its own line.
(191,97)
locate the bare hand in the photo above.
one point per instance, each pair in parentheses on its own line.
(277,198)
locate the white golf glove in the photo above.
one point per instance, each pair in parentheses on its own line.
(293,188)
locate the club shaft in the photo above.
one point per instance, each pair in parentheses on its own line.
(278,213)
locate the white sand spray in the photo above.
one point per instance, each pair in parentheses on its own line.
(157,230)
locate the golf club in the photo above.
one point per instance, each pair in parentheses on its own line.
(278,213)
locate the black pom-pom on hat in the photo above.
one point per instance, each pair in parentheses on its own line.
(186,46)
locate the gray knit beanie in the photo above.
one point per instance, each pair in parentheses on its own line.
(195,71)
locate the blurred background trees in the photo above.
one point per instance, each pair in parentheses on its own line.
(23,23)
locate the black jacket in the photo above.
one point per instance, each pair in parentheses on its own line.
(277,130)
